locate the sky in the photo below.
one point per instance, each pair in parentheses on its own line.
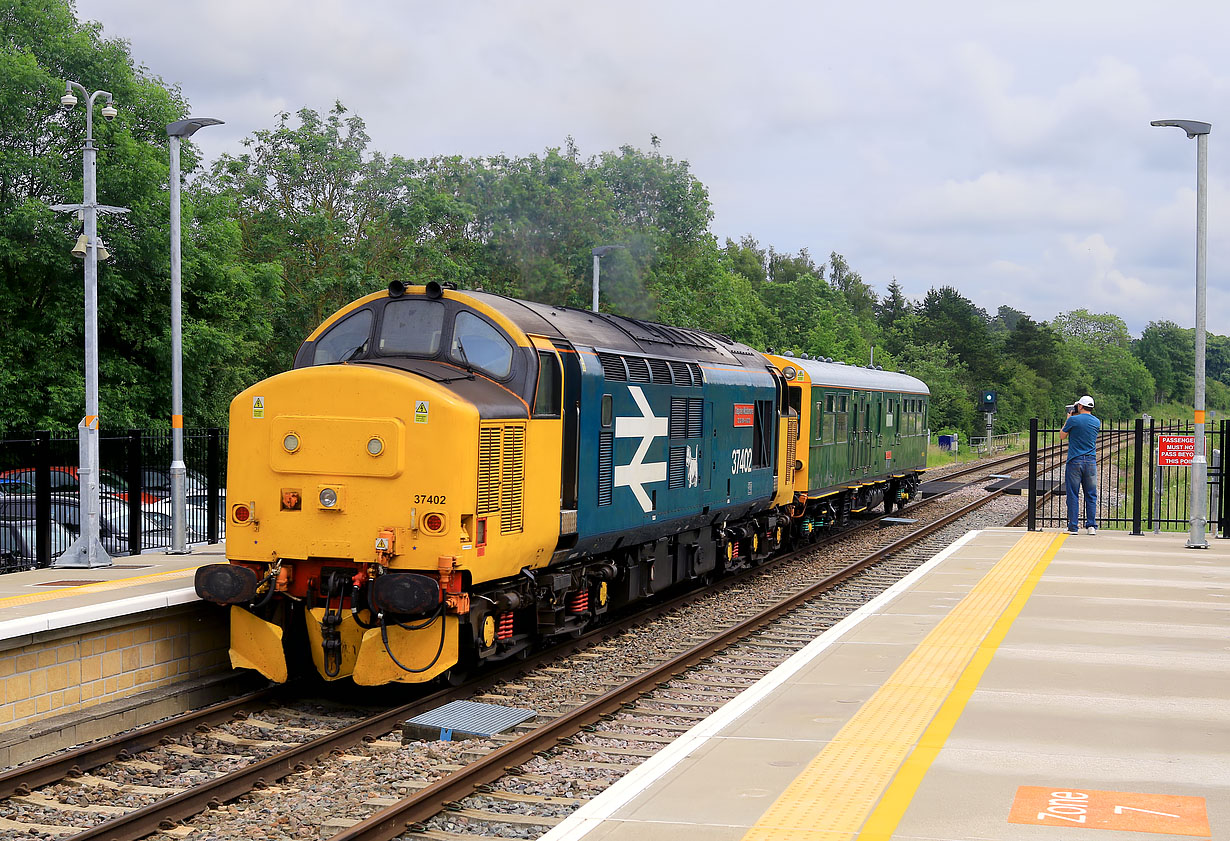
(1000,148)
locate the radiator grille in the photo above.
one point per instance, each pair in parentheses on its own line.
(696,417)
(606,467)
(677,471)
(678,426)
(792,434)
(613,367)
(488,470)
(638,369)
(512,477)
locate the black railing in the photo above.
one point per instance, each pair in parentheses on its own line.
(1134,492)
(39,503)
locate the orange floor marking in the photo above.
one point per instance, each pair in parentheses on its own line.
(1082,808)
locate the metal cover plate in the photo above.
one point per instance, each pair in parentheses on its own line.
(465,719)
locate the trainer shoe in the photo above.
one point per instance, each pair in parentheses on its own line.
(1074,531)
(1093,529)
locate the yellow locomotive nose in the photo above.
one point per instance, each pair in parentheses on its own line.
(345,472)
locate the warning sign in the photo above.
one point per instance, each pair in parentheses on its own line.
(258,407)
(1167,814)
(1175,450)
(420,411)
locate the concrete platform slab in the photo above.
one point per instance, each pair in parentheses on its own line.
(1090,672)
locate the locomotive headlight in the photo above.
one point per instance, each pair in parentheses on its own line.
(291,442)
(328,497)
(789,373)
(375,446)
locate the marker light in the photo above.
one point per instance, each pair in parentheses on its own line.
(291,442)
(375,447)
(241,513)
(328,497)
(433,523)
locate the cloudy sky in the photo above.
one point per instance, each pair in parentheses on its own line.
(1002,148)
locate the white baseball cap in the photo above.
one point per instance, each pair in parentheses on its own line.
(1086,401)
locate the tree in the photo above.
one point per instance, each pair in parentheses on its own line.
(1168,352)
(948,317)
(892,308)
(859,295)
(42,385)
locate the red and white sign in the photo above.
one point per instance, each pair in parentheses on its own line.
(1119,811)
(745,414)
(1175,450)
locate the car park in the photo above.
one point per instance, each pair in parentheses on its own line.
(18,539)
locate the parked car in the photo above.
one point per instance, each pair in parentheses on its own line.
(157,481)
(64,479)
(15,486)
(18,539)
(196,512)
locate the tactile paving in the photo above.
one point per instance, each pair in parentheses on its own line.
(837,792)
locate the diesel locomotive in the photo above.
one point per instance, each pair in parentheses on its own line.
(446,478)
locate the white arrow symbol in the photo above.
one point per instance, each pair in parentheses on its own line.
(647,427)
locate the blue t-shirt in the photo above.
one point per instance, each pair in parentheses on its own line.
(1082,432)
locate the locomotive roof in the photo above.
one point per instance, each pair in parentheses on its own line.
(615,332)
(856,376)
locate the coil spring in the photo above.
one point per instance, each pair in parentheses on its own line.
(504,627)
(578,602)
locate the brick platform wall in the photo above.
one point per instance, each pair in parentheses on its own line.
(77,668)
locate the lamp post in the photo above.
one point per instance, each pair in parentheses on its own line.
(1200,131)
(86,550)
(179,532)
(600,252)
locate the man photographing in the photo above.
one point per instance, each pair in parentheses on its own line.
(1081,430)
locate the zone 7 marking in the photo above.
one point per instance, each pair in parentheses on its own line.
(1167,814)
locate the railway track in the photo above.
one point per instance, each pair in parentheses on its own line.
(659,699)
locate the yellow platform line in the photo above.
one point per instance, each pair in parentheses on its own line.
(833,797)
(98,587)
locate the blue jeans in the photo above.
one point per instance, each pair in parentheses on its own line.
(1082,473)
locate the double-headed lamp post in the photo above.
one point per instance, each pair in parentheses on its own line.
(1194,128)
(179,531)
(600,252)
(86,550)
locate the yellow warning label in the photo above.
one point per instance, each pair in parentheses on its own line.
(420,411)
(258,407)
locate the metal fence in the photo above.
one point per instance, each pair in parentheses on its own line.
(998,442)
(39,502)
(1135,492)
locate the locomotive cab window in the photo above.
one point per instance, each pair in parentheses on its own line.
(344,340)
(546,398)
(411,326)
(478,345)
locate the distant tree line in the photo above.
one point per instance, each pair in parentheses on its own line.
(309,217)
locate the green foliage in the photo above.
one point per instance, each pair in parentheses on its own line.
(309,217)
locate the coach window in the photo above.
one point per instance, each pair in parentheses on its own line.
(830,421)
(843,418)
(478,345)
(344,340)
(546,398)
(412,327)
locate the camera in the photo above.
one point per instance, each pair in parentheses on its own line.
(1071,408)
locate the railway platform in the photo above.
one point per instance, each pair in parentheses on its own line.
(1017,686)
(104,638)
